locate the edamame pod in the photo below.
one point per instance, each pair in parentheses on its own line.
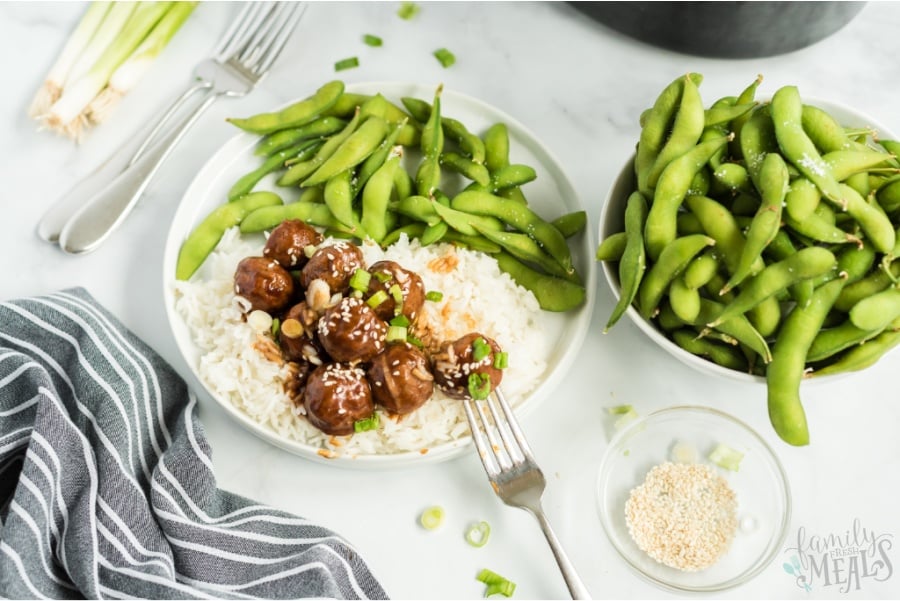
(428,175)
(376,194)
(720,354)
(519,217)
(806,263)
(267,217)
(204,238)
(773,177)
(785,371)
(863,355)
(301,170)
(552,294)
(296,114)
(661,226)
(634,260)
(352,151)
(524,248)
(570,223)
(686,130)
(877,311)
(321,127)
(246,183)
(673,259)
(612,247)
(787,114)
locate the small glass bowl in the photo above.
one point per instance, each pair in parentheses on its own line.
(760,486)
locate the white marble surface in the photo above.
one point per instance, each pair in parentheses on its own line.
(580,87)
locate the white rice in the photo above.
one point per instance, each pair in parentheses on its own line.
(477,296)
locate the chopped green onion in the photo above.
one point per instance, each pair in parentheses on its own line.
(501,360)
(480,349)
(400,320)
(309,250)
(372,40)
(347,63)
(408,10)
(726,457)
(360,279)
(365,424)
(276,325)
(432,517)
(395,333)
(445,57)
(478,534)
(434,296)
(496,584)
(397,295)
(377,298)
(382,276)
(479,386)
(619,409)
(625,419)
(414,341)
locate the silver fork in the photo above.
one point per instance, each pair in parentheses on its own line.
(514,474)
(244,56)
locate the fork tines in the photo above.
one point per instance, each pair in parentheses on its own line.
(505,452)
(259,34)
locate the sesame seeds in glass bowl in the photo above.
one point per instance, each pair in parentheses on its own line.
(661,500)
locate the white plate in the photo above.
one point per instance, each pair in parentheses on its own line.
(550,195)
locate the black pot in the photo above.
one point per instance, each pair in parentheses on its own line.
(725,29)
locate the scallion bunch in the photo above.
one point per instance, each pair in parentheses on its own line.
(107,53)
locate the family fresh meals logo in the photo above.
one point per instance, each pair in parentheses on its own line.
(845,560)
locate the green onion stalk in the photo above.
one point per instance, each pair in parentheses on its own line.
(129,73)
(77,42)
(110,49)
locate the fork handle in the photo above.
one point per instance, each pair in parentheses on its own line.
(576,587)
(54,219)
(103,212)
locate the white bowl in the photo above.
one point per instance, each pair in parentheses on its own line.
(612,219)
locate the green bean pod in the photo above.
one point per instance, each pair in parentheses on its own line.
(294,115)
(552,294)
(785,371)
(204,238)
(634,259)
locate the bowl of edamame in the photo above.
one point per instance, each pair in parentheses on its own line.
(756,239)
(730,499)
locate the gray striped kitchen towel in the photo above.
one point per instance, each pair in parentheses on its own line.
(106,484)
